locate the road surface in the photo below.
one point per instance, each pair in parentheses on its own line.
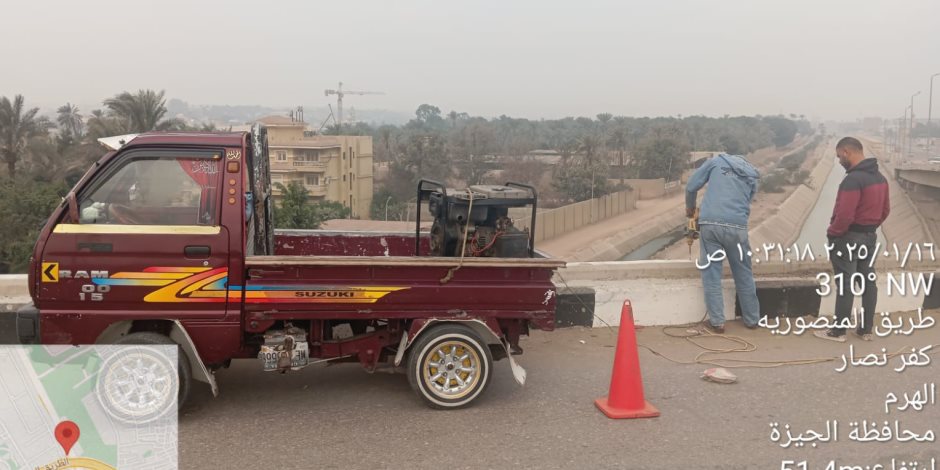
(341,417)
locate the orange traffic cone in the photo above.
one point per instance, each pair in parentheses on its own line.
(626,385)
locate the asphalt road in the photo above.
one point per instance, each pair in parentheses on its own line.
(342,417)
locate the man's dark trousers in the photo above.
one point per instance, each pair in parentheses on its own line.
(846,261)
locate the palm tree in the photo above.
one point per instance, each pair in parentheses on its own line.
(103,125)
(141,112)
(16,128)
(618,140)
(589,144)
(70,120)
(129,113)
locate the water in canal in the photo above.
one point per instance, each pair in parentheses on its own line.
(814,229)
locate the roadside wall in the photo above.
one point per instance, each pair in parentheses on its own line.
(648,188)
(905,223)
(555,222)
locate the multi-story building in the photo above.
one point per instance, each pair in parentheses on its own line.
(331,167)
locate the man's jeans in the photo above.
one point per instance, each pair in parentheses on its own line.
(716,238)
(847,262)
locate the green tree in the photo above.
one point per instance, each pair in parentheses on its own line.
(17,126)
(142,112)
(581,180)
(130,113)
(296,211)
(618,140)
(71,127)
(663,155)
(424,155)
(430,115)
(24,207)
(470,148)
(590,146)
(387,206)
(784,129)
(70,120)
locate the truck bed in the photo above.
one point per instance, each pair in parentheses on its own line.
(314,276)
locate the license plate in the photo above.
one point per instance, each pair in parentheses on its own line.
(269,356)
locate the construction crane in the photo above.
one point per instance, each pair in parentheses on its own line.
(339,92)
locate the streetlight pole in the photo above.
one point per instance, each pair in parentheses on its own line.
(386,207)
(910,134)
(929,112)
(902,123)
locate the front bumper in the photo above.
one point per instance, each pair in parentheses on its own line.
(27,324)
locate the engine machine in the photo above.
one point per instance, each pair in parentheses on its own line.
(475,222)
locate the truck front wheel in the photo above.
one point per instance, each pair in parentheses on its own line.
(184,371)
(449,366)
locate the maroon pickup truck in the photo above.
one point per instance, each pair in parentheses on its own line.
(168,239)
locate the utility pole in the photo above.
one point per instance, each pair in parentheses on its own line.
(884,137)
(910,134)
(929,113)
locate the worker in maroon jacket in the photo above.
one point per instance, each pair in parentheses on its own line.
(862,205)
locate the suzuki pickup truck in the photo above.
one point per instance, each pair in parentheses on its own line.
(168,239)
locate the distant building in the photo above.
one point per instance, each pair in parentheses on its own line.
(331,167)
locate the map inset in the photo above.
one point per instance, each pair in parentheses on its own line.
(95,407)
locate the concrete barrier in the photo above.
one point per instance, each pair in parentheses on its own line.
(669,292)
(13,295)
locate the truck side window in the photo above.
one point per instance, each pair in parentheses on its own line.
(154,191)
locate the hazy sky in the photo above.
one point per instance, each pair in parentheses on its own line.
(535,58)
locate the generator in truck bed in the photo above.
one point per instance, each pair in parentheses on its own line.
(168,238)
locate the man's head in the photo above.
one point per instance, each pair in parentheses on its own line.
(731,145)
(850,152)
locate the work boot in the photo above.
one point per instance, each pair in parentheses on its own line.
(830,335)
(863,336)
(708,327)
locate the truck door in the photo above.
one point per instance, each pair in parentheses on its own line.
(147,242)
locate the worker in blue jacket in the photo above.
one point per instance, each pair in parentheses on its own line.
(722,219)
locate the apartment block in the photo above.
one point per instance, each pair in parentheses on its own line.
(331,167)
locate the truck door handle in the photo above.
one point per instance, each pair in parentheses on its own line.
(197,251)
(95,247)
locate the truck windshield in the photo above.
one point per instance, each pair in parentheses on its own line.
(154,191)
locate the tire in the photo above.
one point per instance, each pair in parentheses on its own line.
(430,357)
(184,370)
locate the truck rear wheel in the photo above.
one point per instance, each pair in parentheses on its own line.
(449,366)
(184,370)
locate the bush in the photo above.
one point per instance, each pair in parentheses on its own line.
(773,182)
(24,207)
(793,161)
(799,177)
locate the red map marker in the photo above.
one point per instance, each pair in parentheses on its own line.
(66,433)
